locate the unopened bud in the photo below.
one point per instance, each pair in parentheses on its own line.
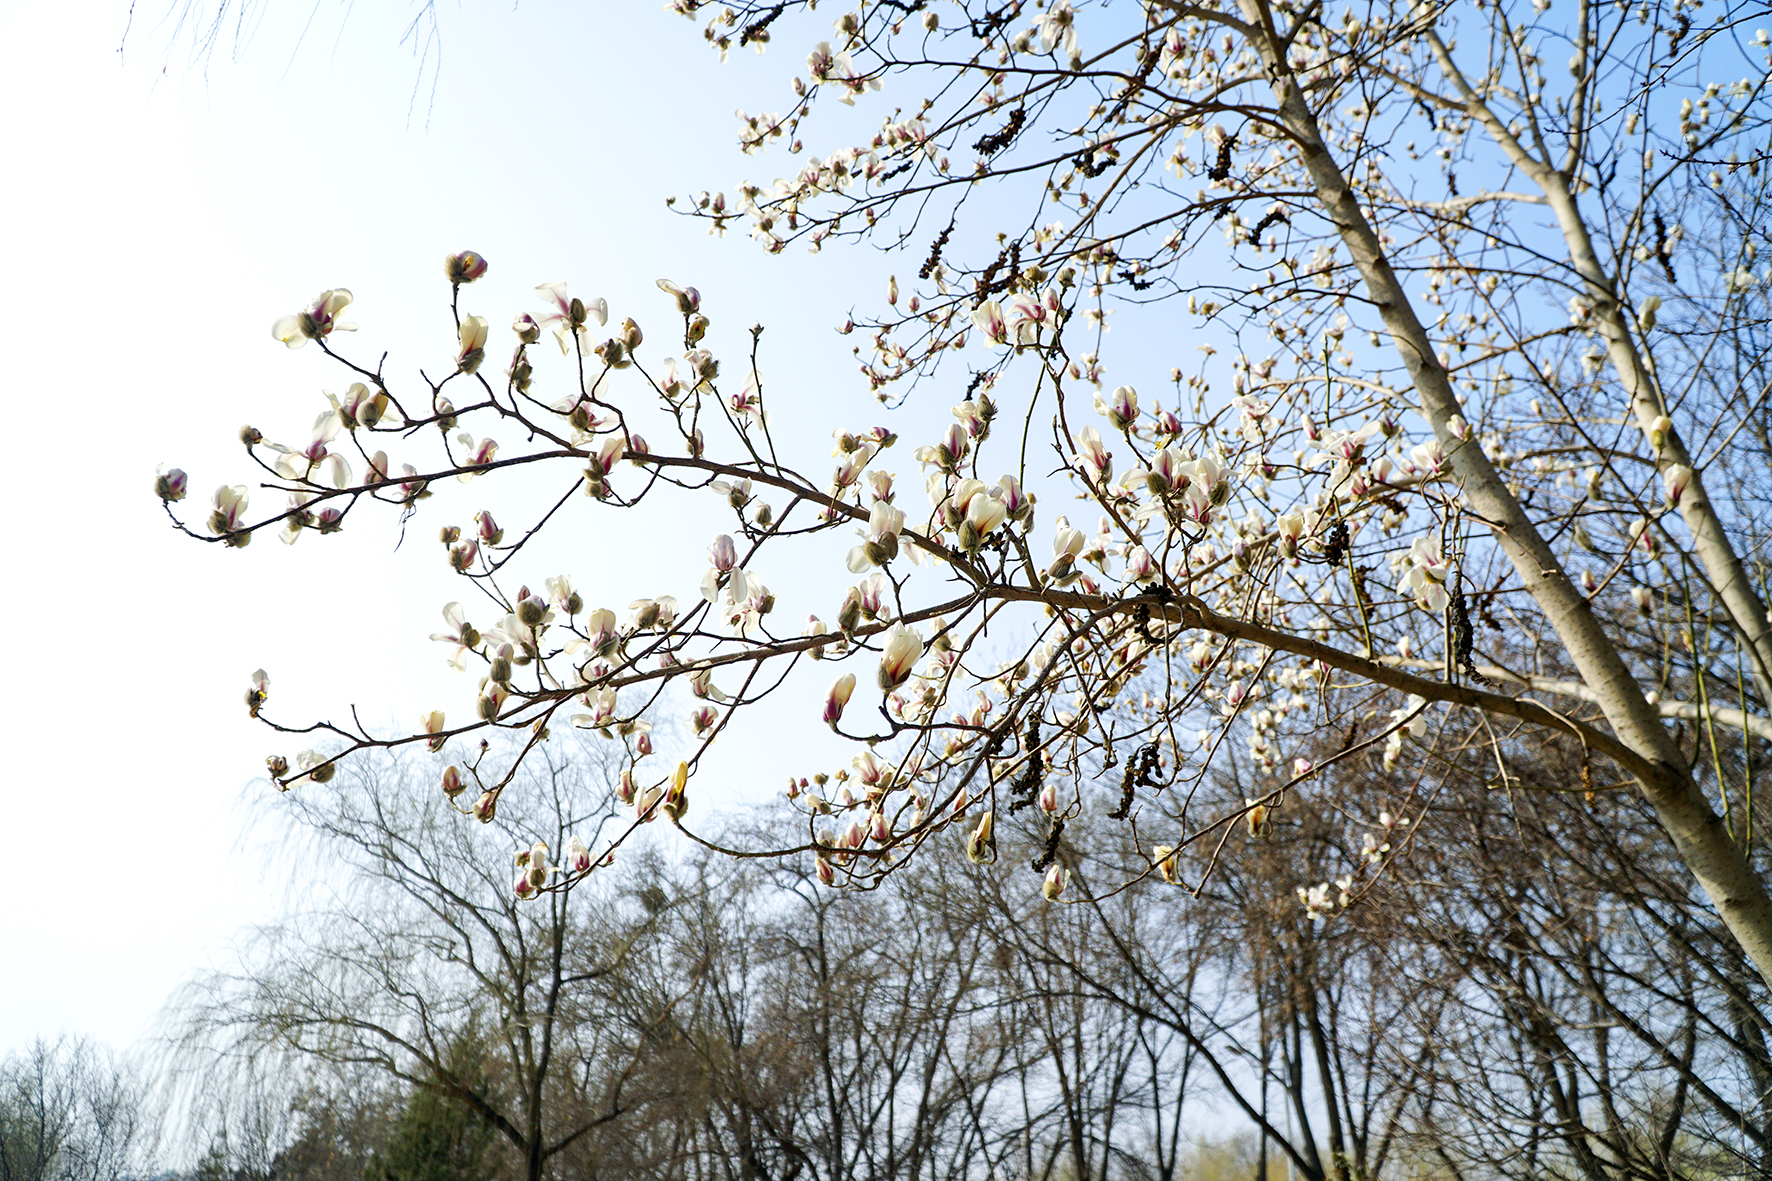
(464,267)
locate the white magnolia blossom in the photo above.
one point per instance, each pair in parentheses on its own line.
(571,315)
(880,539)
(1424,575)
(900,649)
(315,322)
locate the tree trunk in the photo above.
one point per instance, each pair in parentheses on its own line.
(1697,832)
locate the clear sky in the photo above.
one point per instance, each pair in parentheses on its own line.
(162,216)
(165,212)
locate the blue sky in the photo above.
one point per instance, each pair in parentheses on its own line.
(165,214)
(168,211)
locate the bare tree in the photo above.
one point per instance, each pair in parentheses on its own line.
(69,1111)
(425,968)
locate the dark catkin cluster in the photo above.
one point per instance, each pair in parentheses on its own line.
(1049,851)
(1464,640)
(1141,771)
(1661,250)
(1335,545)
(1086,163)
(1271,218)
(1147,65)
(1141,619)
(1222,169)
(1026,786)
(983,26)
(1010,257)
(934,259)
(759,28)
(996,141)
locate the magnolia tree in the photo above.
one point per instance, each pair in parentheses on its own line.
(1473,446)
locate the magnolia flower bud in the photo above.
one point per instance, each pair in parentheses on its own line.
(979,849)
(1646,314)
(452,781)
(486,807)
(1659,430)
(464,267)
(675,803)
(898,654)
(723,553)
(837,698)
(433,725)
(1122,409)
(527,330)
(472,334)
(1168,868)
(493,692)
(1258,818)
(1676,478)
(688,298)
(849,614)
(170,486)
(257,692)
(277,765)
(1054,883)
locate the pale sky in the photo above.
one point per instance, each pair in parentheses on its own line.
(164,214)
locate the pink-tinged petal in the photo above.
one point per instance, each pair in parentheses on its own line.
(555,293)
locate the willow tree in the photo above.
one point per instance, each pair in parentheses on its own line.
(1477,449)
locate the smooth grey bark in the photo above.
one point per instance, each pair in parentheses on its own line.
(1697,832)
(1723,568)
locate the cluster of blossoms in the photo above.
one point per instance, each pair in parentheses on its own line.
(535,870)
(1152,597)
